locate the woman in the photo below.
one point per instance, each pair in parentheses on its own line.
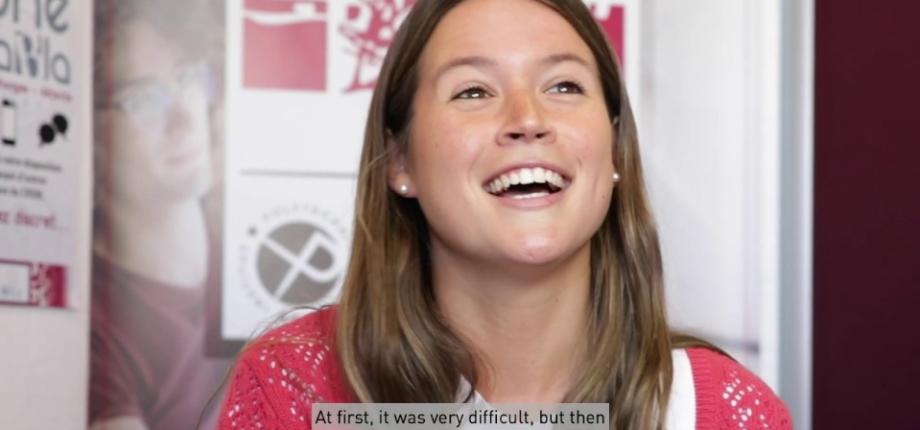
(504,242)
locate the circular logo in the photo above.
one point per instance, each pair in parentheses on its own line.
(297,256)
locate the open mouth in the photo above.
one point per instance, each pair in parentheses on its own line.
(527,183)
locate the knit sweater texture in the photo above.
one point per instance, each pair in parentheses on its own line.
(287,370)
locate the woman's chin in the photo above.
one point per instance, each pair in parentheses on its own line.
(540,251)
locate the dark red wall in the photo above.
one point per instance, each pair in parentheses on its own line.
(867,215)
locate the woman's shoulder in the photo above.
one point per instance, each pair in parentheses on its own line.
(317,324)
(281,374)
(730,396)
(306,343)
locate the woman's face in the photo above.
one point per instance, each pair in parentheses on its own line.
(509,93)
(153,126)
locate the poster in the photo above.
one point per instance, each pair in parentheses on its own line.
(295,127)
(40,145)
(157,120)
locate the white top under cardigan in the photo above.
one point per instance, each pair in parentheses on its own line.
(681,412)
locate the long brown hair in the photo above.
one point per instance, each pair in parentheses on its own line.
(393,341)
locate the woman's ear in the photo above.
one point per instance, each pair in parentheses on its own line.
(399,179)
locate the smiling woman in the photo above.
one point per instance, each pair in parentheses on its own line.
(504,249)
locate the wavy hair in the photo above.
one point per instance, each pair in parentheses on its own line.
(393,341)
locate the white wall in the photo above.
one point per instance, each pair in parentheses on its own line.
(43,367)
(709,130)
(725,127)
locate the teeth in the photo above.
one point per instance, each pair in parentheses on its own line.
(539,175)
(526,176)
(531,195)
(556,180)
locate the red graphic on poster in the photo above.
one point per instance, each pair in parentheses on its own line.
(370,28)
(611,17)
(33,284)
(47,286)
(285,44)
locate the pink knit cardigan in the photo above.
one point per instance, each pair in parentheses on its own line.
(276,382)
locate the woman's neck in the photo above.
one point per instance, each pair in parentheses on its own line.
(527,329)
(168,244)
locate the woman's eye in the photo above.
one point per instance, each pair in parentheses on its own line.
(567,87)
(473,93)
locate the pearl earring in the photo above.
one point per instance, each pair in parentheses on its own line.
(616,177)
(403,189)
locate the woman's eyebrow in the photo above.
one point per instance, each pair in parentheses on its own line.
(563,57)
(473,61)
(480,62)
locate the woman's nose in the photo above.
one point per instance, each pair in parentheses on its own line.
(525,121)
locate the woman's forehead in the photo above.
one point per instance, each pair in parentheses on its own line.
(502,31)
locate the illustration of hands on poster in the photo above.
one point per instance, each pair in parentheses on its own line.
(157,119)
(298,89)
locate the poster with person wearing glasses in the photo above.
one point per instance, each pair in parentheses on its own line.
(157,67)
